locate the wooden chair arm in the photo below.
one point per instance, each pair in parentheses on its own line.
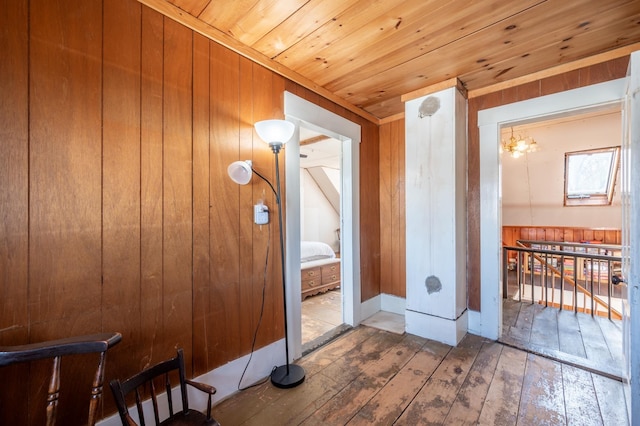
(60,347)
(203,387)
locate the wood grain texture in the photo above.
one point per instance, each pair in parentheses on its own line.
(368,376)
(121,208)
(177,190)
(14,202)
(225,247)
(265,239)
(118,209)
(542,400)
(369,212)
(151,196)
(201,204)
(501,402)
(392,211)
(65,201)
(365,55)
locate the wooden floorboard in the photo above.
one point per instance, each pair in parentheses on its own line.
(503,398)
(569,336)
(578,339)
(373,377)
(541,401)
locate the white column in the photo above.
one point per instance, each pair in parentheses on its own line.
(436,216)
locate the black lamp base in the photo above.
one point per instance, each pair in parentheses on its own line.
(281,379)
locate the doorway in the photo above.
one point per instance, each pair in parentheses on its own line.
(488,322)
(310,116)
(320,219)
(562,304)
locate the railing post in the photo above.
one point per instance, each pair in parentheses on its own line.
(591,263)
(520,273)
(531,276)
(575,287)
(505,273)
(561,282)
(545,268)
(609,289)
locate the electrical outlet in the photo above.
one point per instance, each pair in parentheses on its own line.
(260,214)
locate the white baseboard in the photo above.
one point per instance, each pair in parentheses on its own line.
(369,307)
(393,304)
(444,330)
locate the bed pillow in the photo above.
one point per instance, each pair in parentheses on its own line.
(315,250)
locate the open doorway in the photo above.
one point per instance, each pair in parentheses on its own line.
(307,115)
(320,219)
(564,304)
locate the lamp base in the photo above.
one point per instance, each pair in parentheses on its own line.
(281,379)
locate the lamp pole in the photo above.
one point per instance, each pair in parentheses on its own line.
(288,375)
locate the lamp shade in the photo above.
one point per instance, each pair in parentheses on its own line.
(275,131)
(240,172)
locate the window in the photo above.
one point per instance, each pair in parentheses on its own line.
(589,176)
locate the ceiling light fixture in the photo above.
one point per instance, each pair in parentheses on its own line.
(516,147)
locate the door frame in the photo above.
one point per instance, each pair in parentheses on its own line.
(488,322)
(300,111)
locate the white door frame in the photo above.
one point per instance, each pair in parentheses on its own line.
(301,111)
(631,234)
(488,322)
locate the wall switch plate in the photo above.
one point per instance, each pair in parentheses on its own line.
(260,214)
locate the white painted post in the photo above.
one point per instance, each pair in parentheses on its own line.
(436,216)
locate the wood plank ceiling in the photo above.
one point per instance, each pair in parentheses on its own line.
(368,53)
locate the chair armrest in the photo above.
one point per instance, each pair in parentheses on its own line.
(203,387)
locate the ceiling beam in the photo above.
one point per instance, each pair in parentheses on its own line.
(314,139)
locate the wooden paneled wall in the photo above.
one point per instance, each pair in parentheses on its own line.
(392,209)
(567,234)
(598,73)
(116,129)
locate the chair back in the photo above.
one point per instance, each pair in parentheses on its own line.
(55,350)
(146,382)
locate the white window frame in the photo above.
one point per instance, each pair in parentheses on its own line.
(592,199)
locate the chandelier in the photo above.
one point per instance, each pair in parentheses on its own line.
(516,147)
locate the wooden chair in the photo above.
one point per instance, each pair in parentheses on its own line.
(149,377)
(55,349)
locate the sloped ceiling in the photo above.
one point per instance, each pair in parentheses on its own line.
(367,54)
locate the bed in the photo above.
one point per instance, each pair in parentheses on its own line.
(319,268)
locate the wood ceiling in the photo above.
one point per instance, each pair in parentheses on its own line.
(366,54)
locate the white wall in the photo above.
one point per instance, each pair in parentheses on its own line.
(533,185)
(319,220)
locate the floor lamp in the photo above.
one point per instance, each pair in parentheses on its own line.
(276,133)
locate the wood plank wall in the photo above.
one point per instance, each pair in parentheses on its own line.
(116,129)
(567,234)
(392,209)
(598,73)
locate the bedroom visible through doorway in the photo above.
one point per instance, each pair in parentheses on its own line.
(320,218)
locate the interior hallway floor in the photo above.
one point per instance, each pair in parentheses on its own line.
(322,320)
(369,376)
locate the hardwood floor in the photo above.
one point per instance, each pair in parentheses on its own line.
(368,376)
(591,342)
(321,314)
